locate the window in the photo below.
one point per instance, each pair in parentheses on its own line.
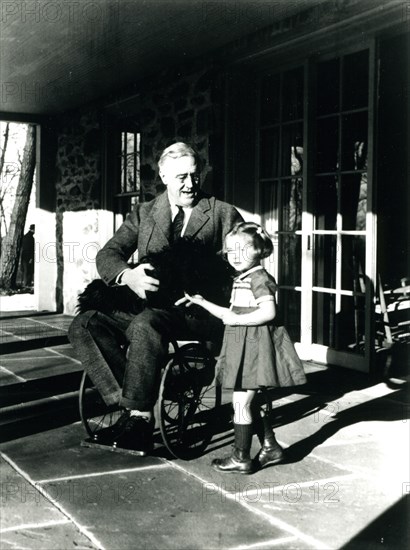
(340,201)
(281,183)
(313,157)
(128,188)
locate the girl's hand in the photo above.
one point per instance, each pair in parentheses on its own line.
(182,301)
(231,318)
(195,299)
(213,309)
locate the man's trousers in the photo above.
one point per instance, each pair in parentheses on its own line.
(123,354)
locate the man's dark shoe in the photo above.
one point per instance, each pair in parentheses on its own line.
(105,436)
(238,463)
(136,435)
(270,454)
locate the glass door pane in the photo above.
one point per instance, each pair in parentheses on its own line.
(339,204)
(281,152)
(317,206)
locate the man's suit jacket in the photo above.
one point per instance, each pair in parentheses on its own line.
(147,229)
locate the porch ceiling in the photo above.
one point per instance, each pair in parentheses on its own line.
(59,54)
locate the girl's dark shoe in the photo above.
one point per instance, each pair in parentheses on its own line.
(238,463)
(270,454)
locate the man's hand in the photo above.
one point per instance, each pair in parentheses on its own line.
(139,281)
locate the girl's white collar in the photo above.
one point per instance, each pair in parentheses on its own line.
(242,275)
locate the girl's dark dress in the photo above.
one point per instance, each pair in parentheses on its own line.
(262,355)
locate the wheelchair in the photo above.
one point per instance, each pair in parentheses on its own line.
(187,407)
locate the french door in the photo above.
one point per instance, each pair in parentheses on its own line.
(315,195)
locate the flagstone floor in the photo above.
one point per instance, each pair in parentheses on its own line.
(344,484)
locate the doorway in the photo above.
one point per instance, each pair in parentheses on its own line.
(18,183)
(315,194)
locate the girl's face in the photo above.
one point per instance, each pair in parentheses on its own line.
(240,252)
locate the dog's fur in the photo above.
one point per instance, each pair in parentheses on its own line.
(188,265)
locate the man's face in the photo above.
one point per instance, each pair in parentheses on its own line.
(181,177)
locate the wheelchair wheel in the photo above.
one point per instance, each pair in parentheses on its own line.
(188,401)
(94,413)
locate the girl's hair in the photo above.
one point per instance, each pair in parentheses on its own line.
(260,240)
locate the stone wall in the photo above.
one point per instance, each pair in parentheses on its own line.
(185,105)
(187,110)
(78,162)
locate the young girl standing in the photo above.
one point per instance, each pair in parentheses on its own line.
(256,353)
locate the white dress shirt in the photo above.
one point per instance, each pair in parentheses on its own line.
(187,214)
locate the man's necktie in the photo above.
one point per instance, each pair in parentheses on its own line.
(178,224)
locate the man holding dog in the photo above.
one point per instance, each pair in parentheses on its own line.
(132,379)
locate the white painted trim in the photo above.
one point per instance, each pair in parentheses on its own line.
(45,260)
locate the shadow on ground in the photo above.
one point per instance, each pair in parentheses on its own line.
(322,387)
(389,531)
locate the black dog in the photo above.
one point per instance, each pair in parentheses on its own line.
(186,266)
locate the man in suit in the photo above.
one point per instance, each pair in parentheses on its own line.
(132,380)
(27,257)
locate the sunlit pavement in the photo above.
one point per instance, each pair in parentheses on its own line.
(17,302)
(343,484)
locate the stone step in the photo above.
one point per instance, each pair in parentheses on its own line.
(35,416)
(35,390)
(36,362)
(34,343)
(19,334)
(4,314)
(39,375)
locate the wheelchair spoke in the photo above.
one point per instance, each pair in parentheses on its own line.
(188,396)
(95,414)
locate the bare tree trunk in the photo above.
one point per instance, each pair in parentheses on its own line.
(10,253)
(3,155)
(3,151)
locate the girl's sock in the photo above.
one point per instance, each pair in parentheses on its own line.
(243,439)
(239,461)
(263,429)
